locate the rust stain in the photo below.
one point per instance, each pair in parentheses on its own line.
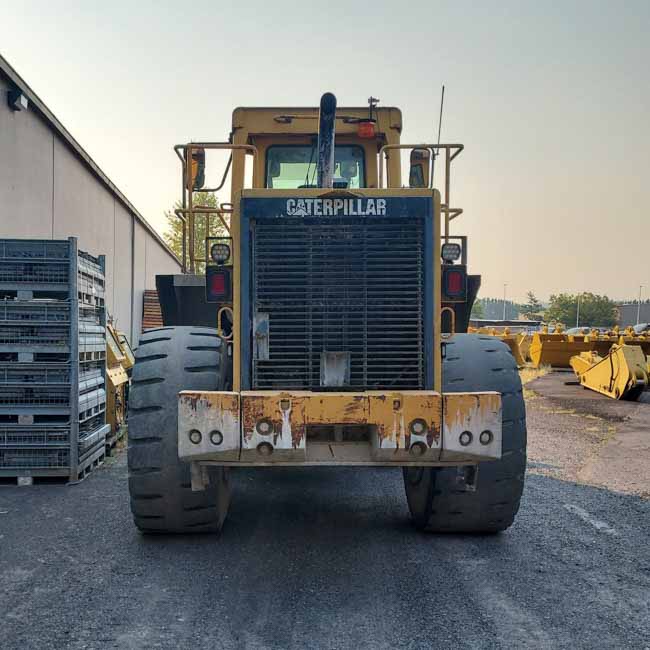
(203,401)
(191,401)
(350,408)
(297,434)
(433,435)
(461,408)
(252,412)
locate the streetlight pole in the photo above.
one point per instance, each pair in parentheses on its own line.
(504,300)
(578,311)
(638,306)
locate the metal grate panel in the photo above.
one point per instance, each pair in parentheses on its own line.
(343,284)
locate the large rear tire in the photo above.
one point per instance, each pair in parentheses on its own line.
(439,498)
(168,360)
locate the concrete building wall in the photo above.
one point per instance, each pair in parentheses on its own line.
(140,273)
(51,189)
(26,172)
(628,312)
(123,257)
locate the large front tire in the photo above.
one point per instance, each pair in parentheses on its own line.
(438,498)
(168,360)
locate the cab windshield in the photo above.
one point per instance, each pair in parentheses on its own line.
(289,167)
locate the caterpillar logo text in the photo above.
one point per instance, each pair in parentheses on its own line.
(335,207)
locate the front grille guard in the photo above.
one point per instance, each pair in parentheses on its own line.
(348,284)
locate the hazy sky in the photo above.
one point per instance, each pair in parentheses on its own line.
(551,99)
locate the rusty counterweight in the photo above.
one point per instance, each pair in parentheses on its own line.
(401,428)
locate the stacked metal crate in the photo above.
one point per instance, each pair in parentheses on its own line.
(52,359)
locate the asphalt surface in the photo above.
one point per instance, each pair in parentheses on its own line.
(321,559)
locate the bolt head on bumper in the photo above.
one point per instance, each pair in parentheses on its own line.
(404,428)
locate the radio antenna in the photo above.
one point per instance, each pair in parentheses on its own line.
(436,150)
(442,102)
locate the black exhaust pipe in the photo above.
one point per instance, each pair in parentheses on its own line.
(326,128)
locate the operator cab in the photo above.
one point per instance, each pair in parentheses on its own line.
(293,166)
(286,145)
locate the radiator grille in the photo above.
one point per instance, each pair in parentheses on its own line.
(348,284)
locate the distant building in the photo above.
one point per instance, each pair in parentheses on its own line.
(514,325)
(50,188)
(627,313)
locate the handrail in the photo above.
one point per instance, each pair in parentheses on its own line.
(449,335)
(181,212)
(220,332)
(451,151)
(187,212)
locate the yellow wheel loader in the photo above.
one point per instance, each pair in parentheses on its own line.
(327,330)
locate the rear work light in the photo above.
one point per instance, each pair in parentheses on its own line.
(450,251)
(218,284)
(454,280)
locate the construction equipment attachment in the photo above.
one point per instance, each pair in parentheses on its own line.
(556,349)
(119,360)
(511,339)
(523,341)
(630,337)
(621,374)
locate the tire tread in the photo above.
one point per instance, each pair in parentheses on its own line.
(158,481)
(478,363)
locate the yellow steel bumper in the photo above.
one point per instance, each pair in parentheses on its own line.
(279,427)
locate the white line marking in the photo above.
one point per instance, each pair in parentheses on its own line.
(601,526)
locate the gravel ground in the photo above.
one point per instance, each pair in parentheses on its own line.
(579,435)
(322,559)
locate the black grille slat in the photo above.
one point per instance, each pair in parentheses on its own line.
(352,284)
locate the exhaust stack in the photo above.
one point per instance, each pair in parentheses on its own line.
(326,128)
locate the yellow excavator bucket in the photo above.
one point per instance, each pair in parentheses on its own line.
(523,341)
(583,361)
(556,350)
(640,341)
(621,374)
(512,341)
(503,333)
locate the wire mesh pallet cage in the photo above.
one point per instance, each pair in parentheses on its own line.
(52,359)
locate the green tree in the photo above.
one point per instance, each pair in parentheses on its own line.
(595,310)
(173,235)
(532,306)
(477,310)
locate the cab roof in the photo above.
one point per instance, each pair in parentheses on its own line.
(304,120)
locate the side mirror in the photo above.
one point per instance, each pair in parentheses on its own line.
(198,169)
(420,169)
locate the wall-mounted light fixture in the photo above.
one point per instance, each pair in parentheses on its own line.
(17,101)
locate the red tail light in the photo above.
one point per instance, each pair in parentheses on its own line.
(218,285)
(454,282)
